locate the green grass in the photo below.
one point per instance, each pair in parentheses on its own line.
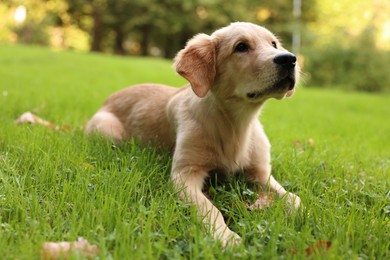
(332,148)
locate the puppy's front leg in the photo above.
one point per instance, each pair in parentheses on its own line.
(262,175)
(189,180)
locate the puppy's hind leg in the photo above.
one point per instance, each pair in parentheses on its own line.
(106,124)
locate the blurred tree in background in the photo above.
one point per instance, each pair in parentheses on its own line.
(343,43)
(348,45)
(147,27)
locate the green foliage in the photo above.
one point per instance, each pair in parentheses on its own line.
(139,27)
(32,32)
(329,147)
(347,46)
(359,66)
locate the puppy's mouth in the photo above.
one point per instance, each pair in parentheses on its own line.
(283,85)
(286,83)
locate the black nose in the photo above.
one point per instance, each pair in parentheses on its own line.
(286,60)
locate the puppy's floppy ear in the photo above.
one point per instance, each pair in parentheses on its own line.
(196,63)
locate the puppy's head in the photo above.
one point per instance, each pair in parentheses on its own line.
(241,61)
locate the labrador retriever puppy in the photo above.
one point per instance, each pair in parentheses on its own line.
(211,124)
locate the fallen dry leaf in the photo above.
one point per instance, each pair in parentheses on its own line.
(297,144)
(88,165)
(321,246)
(30,118)
(263,201)
(64,128)
(301,145)
(63,250)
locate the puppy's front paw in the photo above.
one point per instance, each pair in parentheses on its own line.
(293,202)
(230,239)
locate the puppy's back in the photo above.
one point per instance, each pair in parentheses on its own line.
(141,112)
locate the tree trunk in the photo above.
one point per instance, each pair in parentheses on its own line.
(119,39)
(97,32)
(175,43)
(145,34)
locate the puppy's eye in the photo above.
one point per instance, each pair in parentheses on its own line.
(242,47)
(274,44)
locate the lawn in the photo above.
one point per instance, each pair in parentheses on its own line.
(330,147)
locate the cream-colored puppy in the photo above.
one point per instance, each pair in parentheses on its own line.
(211,124)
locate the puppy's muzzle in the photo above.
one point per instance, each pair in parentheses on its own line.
(286,62)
